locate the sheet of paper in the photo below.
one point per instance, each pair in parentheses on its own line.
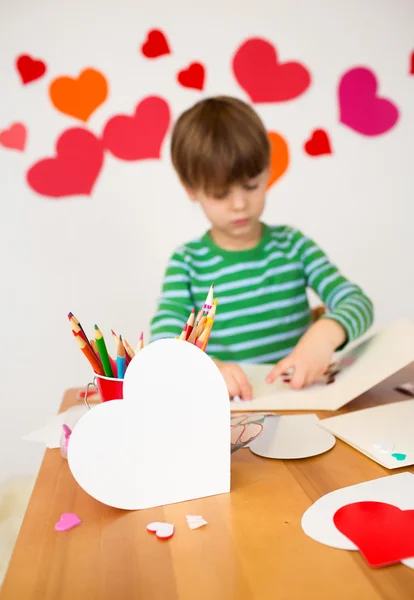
(375,359)
(317,521)
(291,436)
(50,433)
(384,433)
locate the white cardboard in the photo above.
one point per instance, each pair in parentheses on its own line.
(167,441)
(317,521)
(377,358)
(292,436)
(378,432)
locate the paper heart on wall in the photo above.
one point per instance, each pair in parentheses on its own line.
(14,137)
(318,143)
(412,63)
(140,136)
(155,45)
(73,171)
(159,445)
(258,72)
(279,157)
(79,97)
(360,107)
(193,76)
(30,68)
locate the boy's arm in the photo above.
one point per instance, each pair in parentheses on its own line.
(175,303)
(346,303)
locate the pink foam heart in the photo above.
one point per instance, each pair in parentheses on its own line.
(140,136)
(14,137)
(74,169)
(361,108)
(263,77)
(67,521)
(162,530)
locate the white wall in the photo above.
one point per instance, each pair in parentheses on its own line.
(358,204)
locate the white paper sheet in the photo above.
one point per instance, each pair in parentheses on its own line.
(50,433)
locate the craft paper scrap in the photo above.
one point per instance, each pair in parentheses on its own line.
(50,433)
(318,523)
(383,433)
(291,436)
(371,361)
(195,521)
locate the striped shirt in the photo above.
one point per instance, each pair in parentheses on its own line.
(263,307)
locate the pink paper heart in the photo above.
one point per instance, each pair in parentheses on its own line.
(14,137)
(67,521)
(162,530)
(361,108)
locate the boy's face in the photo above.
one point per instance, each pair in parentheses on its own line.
(235,212)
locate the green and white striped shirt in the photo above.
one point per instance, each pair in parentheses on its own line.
(263,308)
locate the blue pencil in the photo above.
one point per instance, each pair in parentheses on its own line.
(120,359)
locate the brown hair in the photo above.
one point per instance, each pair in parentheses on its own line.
(219,142)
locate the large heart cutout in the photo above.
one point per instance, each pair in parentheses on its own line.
(74,169)
(258,72)
(140,136)
(81,96)
(14,137)
(30,68)
(361,109)
(279,157)
(382,532)
(159,445)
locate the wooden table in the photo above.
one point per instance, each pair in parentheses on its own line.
(252,548)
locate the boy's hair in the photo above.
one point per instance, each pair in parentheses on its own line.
(219,142)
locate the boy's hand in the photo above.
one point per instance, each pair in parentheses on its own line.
(312,355)
(236,380)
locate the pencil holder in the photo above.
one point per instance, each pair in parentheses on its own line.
(109,388)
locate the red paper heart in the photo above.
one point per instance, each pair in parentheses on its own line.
(382,532)
(259,73)
(14,137)
(30,68)
(140,136)
(155,45)
(74,170)
(318,143)
(193,76)
(412,64)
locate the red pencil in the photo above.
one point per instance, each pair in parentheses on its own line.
(190,324)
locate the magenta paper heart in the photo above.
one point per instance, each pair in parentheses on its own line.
(67,521)
(361,108)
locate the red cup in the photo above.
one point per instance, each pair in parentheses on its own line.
(110,388)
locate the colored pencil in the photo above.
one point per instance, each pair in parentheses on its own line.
(116,337)
(140,344)
(203,339)
(96,366)
(197,331)
(128,349)
(120,358)
(199,316)
(95,350)
(190,324)
(75,321)
(183,335)
(209,300)
(103,352)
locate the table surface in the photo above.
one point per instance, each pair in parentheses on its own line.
(252,548)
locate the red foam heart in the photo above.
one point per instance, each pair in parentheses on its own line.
(412,64)
(318,143)
(30,68)
(193,76)
(155,45)
(14,137)
(140,136)
(75,168)
(258,72)
(382,532)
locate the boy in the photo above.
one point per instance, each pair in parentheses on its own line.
(221,152)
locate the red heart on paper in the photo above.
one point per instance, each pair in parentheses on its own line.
(318,143)
(258,72)
(382,532)
(30,68)
(14,137)
(155,45)
(140,136)
(412,64)
(73,171)
(193,76)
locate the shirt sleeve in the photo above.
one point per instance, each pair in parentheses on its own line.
(346,303)
(175,303)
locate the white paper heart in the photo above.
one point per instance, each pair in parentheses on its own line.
(159,445)
(162,530)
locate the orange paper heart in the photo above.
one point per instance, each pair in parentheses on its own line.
(79,97)
(279,159)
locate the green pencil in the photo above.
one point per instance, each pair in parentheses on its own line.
(103,352)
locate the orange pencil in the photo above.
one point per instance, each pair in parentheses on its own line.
(88,352)
(197,331)
(128,349)
(95,349)
(203,339)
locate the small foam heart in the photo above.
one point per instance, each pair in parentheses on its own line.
(162,530)
(67,521)
(399,456)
